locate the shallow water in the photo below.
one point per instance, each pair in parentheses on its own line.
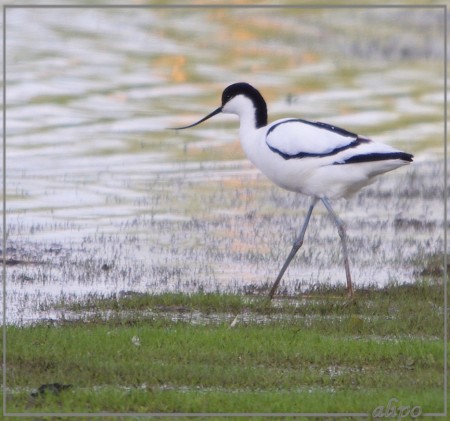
(101,198)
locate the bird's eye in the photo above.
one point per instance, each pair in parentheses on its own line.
(226,98)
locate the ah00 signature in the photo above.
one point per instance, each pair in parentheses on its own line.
(391,410)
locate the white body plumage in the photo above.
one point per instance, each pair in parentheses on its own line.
(309,157)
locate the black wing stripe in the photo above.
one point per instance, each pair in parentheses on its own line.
(335,151)
(376,157)
(318,124)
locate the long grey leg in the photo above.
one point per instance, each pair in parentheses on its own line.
(343,235)
(297,244)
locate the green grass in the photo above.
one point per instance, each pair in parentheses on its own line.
(316,353)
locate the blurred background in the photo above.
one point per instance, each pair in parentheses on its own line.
(101,198)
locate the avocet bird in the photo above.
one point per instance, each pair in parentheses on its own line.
(309,157)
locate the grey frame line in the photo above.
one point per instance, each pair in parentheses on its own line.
(445,213)
(191,414)
(224,6)
(4,213)
(442,7)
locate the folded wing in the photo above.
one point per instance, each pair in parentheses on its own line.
(297,138)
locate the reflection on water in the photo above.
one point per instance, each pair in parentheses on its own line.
(93,177)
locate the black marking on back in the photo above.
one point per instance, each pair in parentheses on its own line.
(317,124)
(253,94)
(342,132)
(377,157)
(380,156)
(300,155)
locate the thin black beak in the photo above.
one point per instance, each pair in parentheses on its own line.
(219,110)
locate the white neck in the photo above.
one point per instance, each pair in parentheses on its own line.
(244,108)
